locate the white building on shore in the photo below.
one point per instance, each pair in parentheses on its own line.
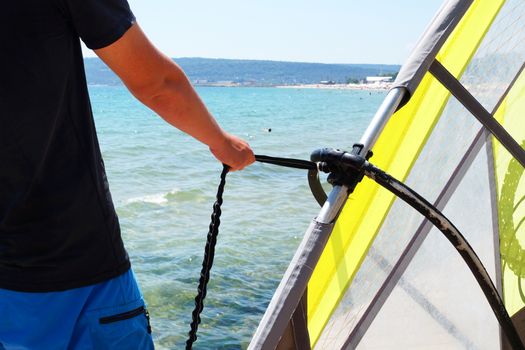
(376,80)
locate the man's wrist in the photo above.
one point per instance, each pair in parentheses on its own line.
(219,140)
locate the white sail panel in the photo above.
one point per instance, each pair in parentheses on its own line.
(499,57)
(438,303)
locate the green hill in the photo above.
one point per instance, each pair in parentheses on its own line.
(253,72)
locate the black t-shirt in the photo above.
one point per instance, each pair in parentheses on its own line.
(58,226)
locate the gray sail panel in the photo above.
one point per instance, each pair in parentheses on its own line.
(292,287)
(430,43)
(296,336)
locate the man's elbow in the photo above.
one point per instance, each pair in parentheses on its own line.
(160,96)
(150,91)
(146,91)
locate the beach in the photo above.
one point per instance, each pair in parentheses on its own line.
(366,87)
(382,86)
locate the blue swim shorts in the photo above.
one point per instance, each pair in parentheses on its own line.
(108,315)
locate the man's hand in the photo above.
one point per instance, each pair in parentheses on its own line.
(160,84)
(234,152)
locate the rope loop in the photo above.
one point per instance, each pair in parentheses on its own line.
(207,262)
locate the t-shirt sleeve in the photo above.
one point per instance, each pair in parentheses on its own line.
(100,23)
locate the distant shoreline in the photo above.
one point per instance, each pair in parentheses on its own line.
(367,87)
(363,87)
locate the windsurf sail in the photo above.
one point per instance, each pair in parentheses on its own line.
(371,272)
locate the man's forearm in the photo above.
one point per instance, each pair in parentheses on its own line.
(176,101)
(161,85)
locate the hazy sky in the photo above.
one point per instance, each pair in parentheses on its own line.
(328,31)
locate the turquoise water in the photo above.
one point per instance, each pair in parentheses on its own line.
(164,183)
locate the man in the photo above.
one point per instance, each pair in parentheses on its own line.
(65,278)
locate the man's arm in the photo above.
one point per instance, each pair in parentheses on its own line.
(160,84)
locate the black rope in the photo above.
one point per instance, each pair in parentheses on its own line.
(455,237)
(211,241)
(313,173)
(207,263)
(287,162)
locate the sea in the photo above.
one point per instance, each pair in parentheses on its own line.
(164,184)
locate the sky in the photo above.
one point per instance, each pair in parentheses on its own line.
(325,31)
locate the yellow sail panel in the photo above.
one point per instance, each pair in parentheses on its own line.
(511,194)
(357,225)
(396,151)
